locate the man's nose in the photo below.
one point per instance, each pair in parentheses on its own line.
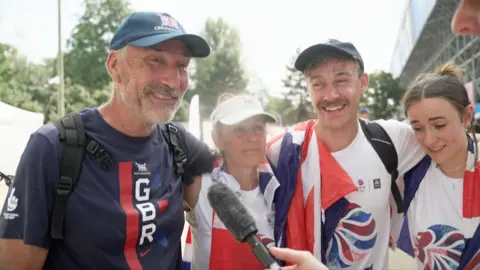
(331,94)
(172,78)
(252,135)
(466,20)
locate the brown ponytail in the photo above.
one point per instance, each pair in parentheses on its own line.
(449,69)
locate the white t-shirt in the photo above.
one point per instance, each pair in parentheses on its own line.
(435,221)
(200,218)
(361,238)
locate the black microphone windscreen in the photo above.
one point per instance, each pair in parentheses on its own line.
(231,211)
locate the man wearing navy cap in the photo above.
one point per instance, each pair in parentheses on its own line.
(351,228)
(466,21)
(364,113)
(130,216)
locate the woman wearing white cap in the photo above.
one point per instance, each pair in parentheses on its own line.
(239,133)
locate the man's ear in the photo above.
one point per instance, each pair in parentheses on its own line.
(112,66)
(363,82)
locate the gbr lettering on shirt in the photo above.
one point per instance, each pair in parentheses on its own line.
(147,210)
(144,204)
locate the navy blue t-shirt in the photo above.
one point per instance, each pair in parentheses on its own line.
(129,217)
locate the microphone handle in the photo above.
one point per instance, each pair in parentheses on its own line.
(262,253)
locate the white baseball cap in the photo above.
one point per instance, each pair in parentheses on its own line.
(237,109)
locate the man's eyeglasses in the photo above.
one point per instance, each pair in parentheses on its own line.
(7,178)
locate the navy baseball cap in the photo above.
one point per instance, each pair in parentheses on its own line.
(332,46)
(364,110)
(146,29)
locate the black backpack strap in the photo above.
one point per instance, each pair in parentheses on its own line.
(7,178)
(172,137)
(72,140)
(102,155)
(383,145)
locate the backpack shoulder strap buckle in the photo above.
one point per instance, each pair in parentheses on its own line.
(7,178)
(172,128)
(72,140)
(102,155)
(65,186)
(171,135)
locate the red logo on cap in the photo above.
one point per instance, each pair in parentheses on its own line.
(169,21)
(248,100)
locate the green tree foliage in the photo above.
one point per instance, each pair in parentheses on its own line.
(7,53)
(297,104)
(87,48)
(282,108)
(22,84)
(182,112)
(34,87)
(31,87)
(222,71)
(382,96)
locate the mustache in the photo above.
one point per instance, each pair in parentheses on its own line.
(164,90)
(336,102)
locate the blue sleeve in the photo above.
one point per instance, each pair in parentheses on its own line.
(28,207)
(200,158)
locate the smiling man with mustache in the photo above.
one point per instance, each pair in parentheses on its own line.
(465,22)
(338,183)
(128,216)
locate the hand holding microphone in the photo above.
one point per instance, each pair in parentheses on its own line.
(239,222)
(302,260)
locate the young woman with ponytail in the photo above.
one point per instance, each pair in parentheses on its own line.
(442,193)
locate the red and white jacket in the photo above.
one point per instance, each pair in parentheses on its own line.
(209,245)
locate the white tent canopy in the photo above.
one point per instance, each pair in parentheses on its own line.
(16,126)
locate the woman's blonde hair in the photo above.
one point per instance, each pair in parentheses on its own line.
(449,69)
(224,97)
(217,128)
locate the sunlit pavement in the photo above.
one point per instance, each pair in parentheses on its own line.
(398,259)
(401,261)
